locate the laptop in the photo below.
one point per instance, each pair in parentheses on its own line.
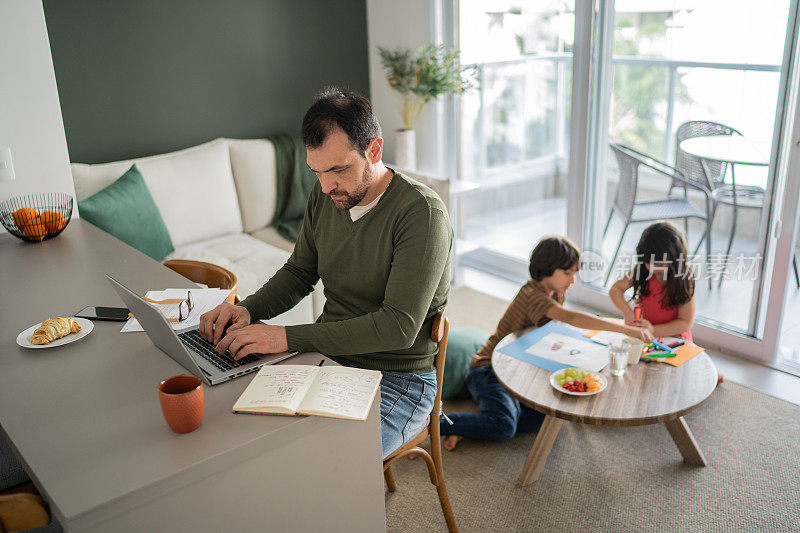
(188,348)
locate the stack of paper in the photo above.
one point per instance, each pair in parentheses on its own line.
(203,300)
(570,351)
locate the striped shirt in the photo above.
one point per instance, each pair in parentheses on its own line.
(528,309)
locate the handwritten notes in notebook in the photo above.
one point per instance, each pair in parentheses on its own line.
(329,391)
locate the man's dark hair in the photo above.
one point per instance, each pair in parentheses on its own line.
(552,253)
(349,111)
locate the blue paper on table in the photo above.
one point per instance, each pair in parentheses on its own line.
(517,349)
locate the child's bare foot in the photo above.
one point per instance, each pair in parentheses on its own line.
(450,442)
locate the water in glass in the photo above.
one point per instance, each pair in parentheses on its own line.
(618,356)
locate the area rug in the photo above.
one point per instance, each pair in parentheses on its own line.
(616,479)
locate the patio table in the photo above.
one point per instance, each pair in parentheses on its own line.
(734,150)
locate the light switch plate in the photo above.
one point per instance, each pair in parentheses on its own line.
(6,164)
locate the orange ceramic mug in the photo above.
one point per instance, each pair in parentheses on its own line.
(182,402)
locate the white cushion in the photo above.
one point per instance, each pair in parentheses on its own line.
(192,188)
(253,165)
(253,262)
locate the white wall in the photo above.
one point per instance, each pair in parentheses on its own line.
(402,24)
(30,114)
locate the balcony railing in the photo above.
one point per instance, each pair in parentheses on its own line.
(561,61)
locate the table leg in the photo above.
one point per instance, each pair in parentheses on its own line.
(684,440)
(540,450)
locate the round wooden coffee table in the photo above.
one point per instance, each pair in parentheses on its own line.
(646,394)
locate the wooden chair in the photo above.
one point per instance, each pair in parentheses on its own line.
(22,511)
(441,327)
(208,274)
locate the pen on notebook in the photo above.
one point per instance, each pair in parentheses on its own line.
(321,362)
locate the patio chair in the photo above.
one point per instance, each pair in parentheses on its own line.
(708,174)
(713,173)
(670,207)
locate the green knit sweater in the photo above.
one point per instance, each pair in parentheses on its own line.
(386,275)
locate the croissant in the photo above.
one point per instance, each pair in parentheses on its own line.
(54,328)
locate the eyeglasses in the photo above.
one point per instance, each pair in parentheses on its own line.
(185,306)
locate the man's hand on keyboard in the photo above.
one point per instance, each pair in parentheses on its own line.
(222,319)
(255,339)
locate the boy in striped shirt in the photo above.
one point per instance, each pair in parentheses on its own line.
(553,265)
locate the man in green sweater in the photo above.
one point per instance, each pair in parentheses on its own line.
(380,242)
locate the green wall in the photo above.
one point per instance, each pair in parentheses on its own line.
(142,77)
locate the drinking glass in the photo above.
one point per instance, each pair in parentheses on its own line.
(618,356)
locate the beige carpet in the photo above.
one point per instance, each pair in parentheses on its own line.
(617,479)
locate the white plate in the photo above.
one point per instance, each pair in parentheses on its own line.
(24,338)
(559,388)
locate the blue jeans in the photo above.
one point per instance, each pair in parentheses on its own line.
(406,402)
(501,416)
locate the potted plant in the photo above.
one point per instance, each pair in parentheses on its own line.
(419,78)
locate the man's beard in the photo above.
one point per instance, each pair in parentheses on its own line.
(350,200)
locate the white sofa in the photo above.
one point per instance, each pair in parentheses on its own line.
(217,201)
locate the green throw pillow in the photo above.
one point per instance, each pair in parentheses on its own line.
(462,344)
(126,210)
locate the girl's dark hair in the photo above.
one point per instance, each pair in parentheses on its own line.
(349,111)
(663,242)
(552,253)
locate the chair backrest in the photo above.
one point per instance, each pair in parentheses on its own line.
(692,166)
(439,333)
(628,165)
(208,274)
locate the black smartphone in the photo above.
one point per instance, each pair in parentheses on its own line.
(115,314)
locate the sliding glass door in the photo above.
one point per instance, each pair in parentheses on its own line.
(513,129)
(689,114)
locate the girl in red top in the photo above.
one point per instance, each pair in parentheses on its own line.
(662,282)
(663,285)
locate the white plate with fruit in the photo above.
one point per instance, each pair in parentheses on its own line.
(578,382)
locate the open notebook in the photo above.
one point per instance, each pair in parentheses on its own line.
(330,391)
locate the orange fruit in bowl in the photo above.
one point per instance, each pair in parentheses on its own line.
(35,230)
(53,221)
(29,221)
(24,216)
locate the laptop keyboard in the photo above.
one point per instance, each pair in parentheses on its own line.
(196,343)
